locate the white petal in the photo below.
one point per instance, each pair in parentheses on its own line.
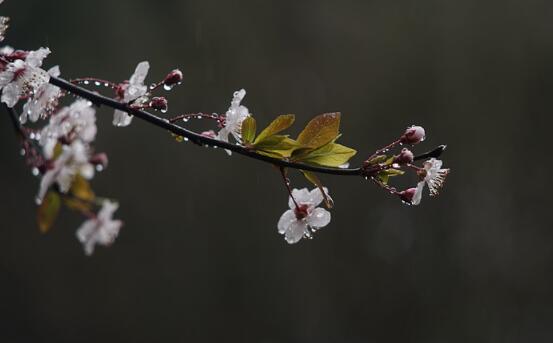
(295,232)
(301,196)
(418,194)
(318,218)
(285,221)
(140,73)
(34,58)
(316,196)
(121,118)
(11,94)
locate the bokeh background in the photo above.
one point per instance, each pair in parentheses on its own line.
(199,258)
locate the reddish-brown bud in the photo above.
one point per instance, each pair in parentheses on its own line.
(173,78)
(407,195)
(404,157)
(413,135)
(159,103)
(100,160)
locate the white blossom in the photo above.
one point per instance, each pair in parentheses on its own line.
(73,161)
(23,77)
(234,118)
(77,121)
(102,229)
(432,175)
(44,100)
(133,90)
(296,223)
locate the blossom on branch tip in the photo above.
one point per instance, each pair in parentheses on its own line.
(102,229)
(23,77)
(434,176)
(233,119)
(306,218)
(132,91)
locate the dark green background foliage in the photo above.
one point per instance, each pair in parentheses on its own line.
(199,258)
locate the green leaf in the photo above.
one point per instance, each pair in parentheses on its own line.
(82,195)
(385,175)
(248,130)
(330,155)
(48,211)
(312,177)
(320,130)
(277,146)
(281,123)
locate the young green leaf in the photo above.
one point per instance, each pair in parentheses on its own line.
(281,123)
(320,130)
(385,175)
(330,155)
(248,130)
(48,211)
(277,146)
(82,195)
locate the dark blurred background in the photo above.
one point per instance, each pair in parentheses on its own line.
(199,258)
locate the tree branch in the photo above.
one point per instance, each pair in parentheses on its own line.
(99,99)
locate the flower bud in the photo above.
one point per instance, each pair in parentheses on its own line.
(100,160)
(173,78)
(404,157)
(407,195)
(413,135)
(159,103)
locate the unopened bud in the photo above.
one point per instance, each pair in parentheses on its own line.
(173,78)
(413,135)
(159,103)
(100,160)
(408,195)
(404,157)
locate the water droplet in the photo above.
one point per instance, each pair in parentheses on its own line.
(185,119)
(22,152)
(167,87)
(163,110)
(97,83)
(99,167)
(86,82)
(186,139)
(35,171)
(38,200)
(199,117)
(106,84)
(32,135)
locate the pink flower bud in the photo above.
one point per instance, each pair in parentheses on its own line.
(159,103)
(404,157)
(100,160)
(173,78)
(407,195)
(413,135)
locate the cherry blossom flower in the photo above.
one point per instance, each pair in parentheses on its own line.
(234,118)
(102,229)
(132,91)
(73,161)
(44,100)
(23,77)
(77,121)
(304,220)
(434,176)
